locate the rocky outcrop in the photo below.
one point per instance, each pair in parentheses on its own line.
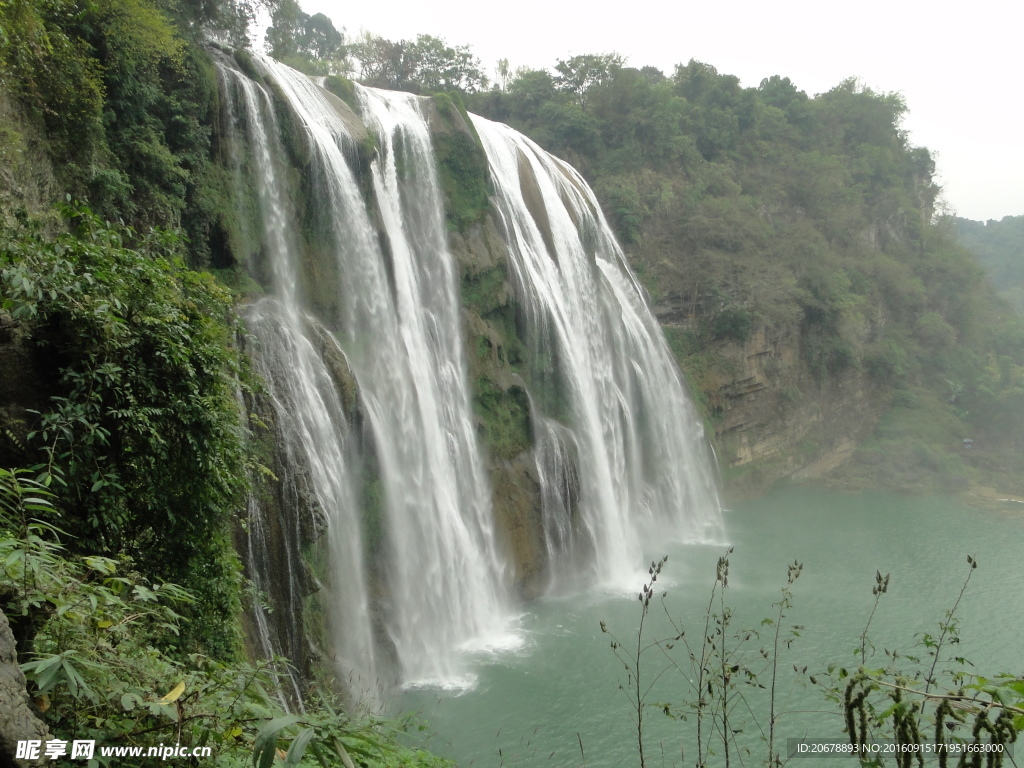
(27,180)
(774,419)
(17,720)
(501,410)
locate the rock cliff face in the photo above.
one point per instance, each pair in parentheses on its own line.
(772,417)
(492,341)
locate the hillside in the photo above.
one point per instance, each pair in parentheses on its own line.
(828,319)
(999,248)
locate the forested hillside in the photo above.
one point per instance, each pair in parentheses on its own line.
(827,319)
(999,246)
(766,222)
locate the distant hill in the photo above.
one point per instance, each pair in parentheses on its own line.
(999,246)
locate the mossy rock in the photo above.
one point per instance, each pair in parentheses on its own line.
(486,290)
(344,89)
(245,63)
(293,134)
(505,422)
(462,165)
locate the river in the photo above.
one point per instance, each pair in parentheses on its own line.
(553,699)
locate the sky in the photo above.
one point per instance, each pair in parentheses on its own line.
(959,68)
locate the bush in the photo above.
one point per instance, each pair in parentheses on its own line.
(733,324)
(143,438)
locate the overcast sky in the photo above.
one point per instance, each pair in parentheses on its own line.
(961,72)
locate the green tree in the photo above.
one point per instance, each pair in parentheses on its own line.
(310,43)
(579,74)
(426,65)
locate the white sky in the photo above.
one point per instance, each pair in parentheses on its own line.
(960,67)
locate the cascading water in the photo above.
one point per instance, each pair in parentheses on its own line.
(361,347)
(312,439)
(446,582)
(443,582)
(642,467)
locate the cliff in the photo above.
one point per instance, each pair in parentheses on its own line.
(791,249)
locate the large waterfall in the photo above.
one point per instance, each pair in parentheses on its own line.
(380,514)
(643,470)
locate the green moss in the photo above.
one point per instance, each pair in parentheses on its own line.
(293,133)
(512,351)
(505,418)
(372,498)
(245,63)
(237,281)
(344,89)
(485,291)
(462,167)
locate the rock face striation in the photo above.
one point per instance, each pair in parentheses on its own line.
(779,421)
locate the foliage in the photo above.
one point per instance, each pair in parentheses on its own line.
(927,700)
(143,437)
(999,247)
(578,74)
(121,97)
(311,44)
(424,65)
(98,672)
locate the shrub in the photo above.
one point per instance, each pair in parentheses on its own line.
(143,438)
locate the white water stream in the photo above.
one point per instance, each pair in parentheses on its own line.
(644,469)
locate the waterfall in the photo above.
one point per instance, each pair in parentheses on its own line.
(382,513)
(442,583)
(447,579)
(313,436)
(643,471)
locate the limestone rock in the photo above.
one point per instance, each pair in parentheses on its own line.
(17,720)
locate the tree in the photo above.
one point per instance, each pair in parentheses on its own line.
(310,43)
(581,73)
(504,73)
(779,92)
(439,67)
(427,64)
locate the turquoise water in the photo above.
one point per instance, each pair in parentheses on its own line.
(536,705)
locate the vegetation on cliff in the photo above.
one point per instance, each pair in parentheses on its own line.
(765,210)
(141,430)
